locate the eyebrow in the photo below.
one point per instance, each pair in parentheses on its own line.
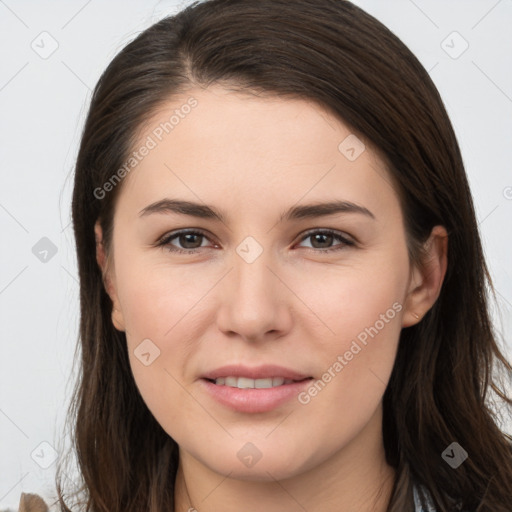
(204,211)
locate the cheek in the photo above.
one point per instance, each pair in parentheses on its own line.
(344,302)
(158,299)
(360,312)
(167,306)
(161,327)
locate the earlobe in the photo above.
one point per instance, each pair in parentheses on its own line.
(117,320)
(426,281)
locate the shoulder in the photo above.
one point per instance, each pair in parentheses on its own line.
(32,503)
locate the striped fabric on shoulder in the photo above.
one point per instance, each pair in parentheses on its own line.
(417,502)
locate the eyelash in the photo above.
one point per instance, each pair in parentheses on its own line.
(166,240)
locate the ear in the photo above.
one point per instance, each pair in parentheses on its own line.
(108,278)
(426,282)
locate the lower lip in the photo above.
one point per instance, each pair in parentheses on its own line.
(254,400)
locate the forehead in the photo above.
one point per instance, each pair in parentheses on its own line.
(222,146)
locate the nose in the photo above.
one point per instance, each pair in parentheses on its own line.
(254,302)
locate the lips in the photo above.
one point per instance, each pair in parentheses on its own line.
(248,400)
(256,389)
(255,373)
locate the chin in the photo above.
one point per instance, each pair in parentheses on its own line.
(278,465)
(261,472)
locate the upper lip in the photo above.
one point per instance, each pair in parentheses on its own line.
(257,372)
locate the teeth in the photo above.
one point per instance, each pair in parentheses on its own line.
(245,382)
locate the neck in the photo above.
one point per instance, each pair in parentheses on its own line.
(356,477)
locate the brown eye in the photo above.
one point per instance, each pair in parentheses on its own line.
(322,240)
(190,241)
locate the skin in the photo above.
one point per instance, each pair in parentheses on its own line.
(253,158)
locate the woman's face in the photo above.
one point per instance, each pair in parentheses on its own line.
(257,288)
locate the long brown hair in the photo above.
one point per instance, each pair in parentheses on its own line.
(334,53)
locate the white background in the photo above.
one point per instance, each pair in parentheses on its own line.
(42,105)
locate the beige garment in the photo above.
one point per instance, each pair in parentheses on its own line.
(32,503)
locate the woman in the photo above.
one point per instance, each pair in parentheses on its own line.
(248,129)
